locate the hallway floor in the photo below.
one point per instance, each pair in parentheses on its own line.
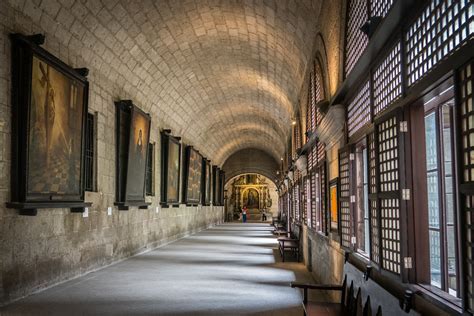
(230,269)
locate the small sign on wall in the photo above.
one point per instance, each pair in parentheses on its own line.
(86,212)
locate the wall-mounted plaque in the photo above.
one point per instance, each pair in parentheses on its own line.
(49,107)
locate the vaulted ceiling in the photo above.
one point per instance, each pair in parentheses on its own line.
(223,74)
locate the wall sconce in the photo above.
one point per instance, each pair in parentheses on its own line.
(293,122)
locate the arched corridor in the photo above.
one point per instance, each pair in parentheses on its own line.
(237,157)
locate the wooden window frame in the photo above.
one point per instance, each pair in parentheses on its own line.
(90,153)
(150,171)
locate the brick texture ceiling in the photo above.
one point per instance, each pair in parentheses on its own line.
(225,75)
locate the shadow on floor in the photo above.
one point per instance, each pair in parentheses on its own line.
(231,269)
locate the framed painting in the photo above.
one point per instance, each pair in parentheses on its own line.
(170,169)
(49,108)
(206,186)
(192,176)
(133,136)
(333,204)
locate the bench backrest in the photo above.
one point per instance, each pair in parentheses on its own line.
(366,297)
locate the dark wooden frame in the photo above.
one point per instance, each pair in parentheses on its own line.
(332,183)
(221,187)
(416,159)
(215,173)
(205,197)
(166,138)
(152,148)
(187,200)
(125,110)
(23,50)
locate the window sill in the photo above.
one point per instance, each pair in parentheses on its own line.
(438,298)
(360,257)
(318,234)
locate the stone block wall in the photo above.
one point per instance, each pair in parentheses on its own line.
(56,245)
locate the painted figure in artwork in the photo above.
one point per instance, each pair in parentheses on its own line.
(139,146)
(48,106)
(54,140)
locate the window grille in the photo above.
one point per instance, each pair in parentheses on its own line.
(304,197)
(345,209)
(314,202)
(89,167)
(388,171)
(388,155)
(321,152)
(466,100)
(387,80)
(380,7)
(150,189)
(442,27)
(309,114)
(390,218)
(374,216)
(356,40)
(310,159)
(312,102)
(323,197)
(318,83)
(296,203)
(359,109)
(314,152)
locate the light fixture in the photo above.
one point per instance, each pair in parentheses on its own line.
(281,158)
(293,122)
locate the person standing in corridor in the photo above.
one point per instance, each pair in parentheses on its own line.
(244,214)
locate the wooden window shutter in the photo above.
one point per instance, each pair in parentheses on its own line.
(345,205)
(465,137)
(386,202)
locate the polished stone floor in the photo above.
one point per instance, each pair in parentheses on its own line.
(230,269)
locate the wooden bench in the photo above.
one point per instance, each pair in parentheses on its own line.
(274,220)
(279,229)
(360,295)
(289,244)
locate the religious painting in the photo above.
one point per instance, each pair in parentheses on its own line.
(206,182)
(137,155)
(55,133)
(49,106)
(251,199)
(192,176)
(133,136)
(174,151)
(170,169)
(333,204)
